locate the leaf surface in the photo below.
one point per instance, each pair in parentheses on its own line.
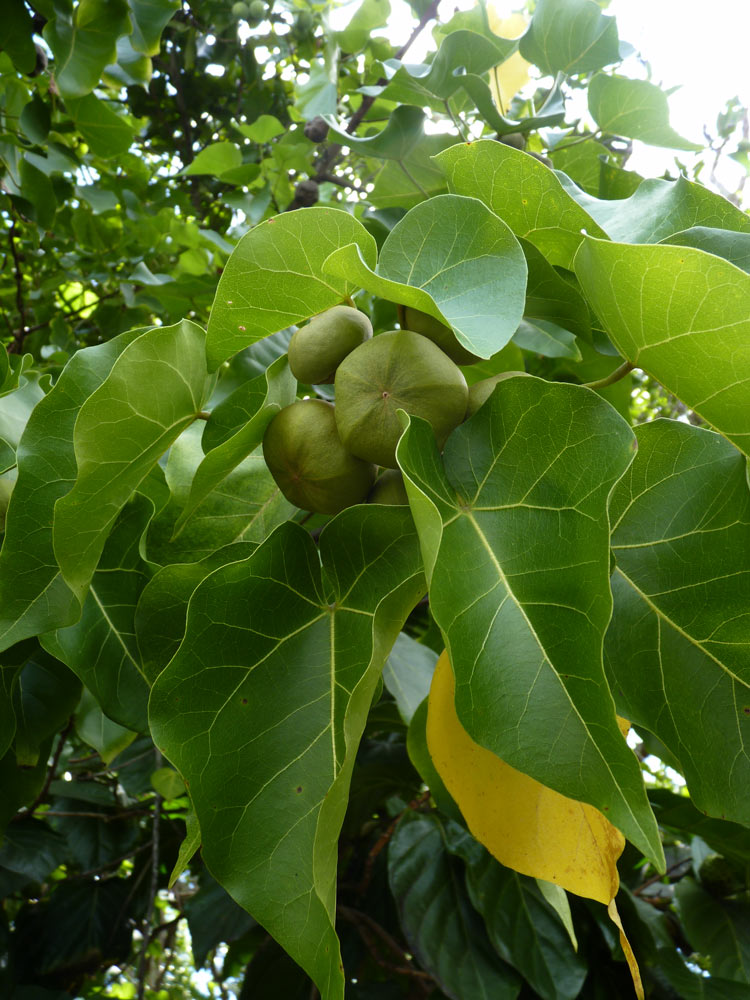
(154,391)
(635,109)
(570,36)
(678,648)
(443,929)
(34,597)
(683,316)
(452,258)
(268,763)
(275,277)
(515,539)
(523,192)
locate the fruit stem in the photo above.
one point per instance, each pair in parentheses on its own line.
(613,377)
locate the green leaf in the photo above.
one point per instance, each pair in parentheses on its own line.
(452,258)
(32,849)
(83,41)
(34,597)
(547,339)
(215,160)
(444,931)
(12,661)
(213,917)
(44,696)
(582,162)
(17,35)
(394,188)
(188,847)
(154,391)
(550,297)
(677,812)
(16,408)
(107,133)
(732,246)
(523,928)
(678,647)
(37,189)
(162,609)
(246,507)
(682,316)
(221,460)
(570,36)
(717,928)
(404,130)
(419,755)
(36,120)
(108,738)
(407,674)
(370,14)
(523,192)
(691,985)
(635,109)
(263,129)
(167,782)
(101,647)
(275,277)
(268,764)
(660,208)
(515,538)
(20,785)
(149,18)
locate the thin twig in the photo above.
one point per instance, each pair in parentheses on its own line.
(368,927)
(50,772)
(615,376)
(658,877)
(143,958)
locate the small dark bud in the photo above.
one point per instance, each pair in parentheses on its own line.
(316,129)
(306,193)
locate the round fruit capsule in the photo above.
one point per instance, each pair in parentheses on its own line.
(316,350)
(398,370)
(439,334)
(310,465)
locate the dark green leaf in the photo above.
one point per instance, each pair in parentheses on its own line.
(717,928)
(106,132)
(31,848)
(45,695)
(83,41)
(732,246)
(515,537)
(677,648)
(443,930)
(285,751)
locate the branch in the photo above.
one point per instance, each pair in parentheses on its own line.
(368,930)
(143,959)
(20,334)
(332,153)
(50,772)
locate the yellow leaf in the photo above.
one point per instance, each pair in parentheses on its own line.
(508,77)
(525,825)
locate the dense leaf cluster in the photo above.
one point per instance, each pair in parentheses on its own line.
(213,704)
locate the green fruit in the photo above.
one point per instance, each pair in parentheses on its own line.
(257,10)
(303,23)
(515,139)
(311,467)
(481,391)
(439,334)
(240,10)
(316,350)
(389,489)
(399,370)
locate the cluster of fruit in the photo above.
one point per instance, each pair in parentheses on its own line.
(324,457)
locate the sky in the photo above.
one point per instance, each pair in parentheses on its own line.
(702,48)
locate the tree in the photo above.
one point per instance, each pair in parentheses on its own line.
(216,708)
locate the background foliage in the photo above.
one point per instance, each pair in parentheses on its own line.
(139,143)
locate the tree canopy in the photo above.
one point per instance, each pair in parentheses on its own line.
(275,722)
